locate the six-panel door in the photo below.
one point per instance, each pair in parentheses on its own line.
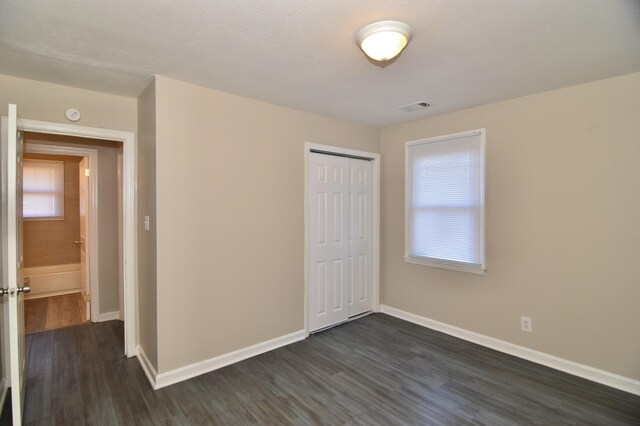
(340,252)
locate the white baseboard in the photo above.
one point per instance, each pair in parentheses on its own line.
(187,372)
(109,316)
(590,373)
(147,367)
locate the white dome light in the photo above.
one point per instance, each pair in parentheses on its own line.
(384,40)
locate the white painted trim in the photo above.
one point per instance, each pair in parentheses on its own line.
(15,263)
(108,316)
(613,380)
(211,364)
(444,265)
(92,155)
(120,242)
(129,232)
(5,246)
(147,367)
(375,219)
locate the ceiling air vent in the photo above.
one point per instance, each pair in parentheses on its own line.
(415,106)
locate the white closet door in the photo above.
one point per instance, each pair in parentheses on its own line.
(360,289)
(329,251)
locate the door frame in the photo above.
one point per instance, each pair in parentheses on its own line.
(375,218)
(92,155)
(129,223)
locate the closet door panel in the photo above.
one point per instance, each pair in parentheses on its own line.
(360,298)
(329,269)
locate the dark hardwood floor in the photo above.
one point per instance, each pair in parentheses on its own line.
(376,370)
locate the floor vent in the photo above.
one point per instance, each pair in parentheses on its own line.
(415,106)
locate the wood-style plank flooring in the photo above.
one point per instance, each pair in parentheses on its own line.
(48,313)
(377,370)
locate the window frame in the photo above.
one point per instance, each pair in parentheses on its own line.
(441,263)
(62,204)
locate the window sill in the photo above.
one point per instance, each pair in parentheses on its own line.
(36,219)
(478,270)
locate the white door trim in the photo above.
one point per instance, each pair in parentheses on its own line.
(375,218)
(129,230)
(92,155)
(120,251)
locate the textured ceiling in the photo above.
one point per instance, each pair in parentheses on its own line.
(302,54)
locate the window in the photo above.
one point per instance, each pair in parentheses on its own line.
(43,189)
(445,202)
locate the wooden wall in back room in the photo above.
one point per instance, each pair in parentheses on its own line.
(52,242)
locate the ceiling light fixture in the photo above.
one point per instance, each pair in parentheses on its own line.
(384,40)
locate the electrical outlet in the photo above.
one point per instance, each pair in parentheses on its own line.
(526,324)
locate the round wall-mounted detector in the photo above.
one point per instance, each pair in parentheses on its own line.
(72,114)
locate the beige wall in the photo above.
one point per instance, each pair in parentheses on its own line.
(107,212)
(52,242)
(147,293)
(562,203)
(38,100)
(230,202)
(562,209)
(43,101)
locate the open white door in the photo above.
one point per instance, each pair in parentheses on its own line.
(85,276)
(12,257)
(4,298)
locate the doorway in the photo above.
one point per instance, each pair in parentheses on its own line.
(13,128)
(341,235)
(55,232)
(126,140)
(65,259)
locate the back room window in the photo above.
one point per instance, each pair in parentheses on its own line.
(43,189)
(444,203)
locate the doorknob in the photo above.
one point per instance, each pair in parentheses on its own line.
(26,288)
(14,291)
(4,291)
(79,242)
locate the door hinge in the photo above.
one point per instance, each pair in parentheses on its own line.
(87,298)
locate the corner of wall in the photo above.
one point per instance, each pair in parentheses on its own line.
(146,206)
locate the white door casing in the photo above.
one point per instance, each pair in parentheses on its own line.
(329,240)
(360,298)
(129,222)
(85,230)
(12,154)
(120,239)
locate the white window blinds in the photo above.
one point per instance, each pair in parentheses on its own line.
(43,189)
(445,201)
